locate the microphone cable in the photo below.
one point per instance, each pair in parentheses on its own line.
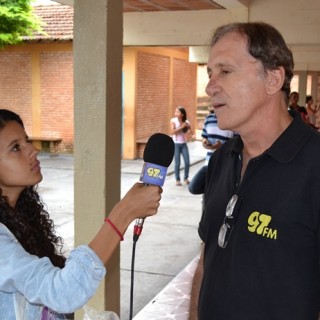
(135,239)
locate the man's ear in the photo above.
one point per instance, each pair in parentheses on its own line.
(275,80)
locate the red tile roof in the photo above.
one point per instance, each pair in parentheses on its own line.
(58,23)
(58,18)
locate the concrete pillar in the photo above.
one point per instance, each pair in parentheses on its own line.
(97,88)
(129,98)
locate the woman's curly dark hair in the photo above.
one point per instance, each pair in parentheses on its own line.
(28,220)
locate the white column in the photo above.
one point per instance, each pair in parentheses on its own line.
(97,92)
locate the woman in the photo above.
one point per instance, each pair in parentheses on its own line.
(179,126)
(36,280)
(312,112)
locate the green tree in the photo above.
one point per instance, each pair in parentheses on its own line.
(16,21)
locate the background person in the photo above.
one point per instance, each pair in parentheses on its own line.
(312,111)
(212,139)
(36,280)
(179,127)
(293,105)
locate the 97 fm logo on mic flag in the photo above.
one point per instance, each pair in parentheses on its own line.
(153,174)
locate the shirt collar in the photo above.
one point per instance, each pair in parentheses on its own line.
(288,144)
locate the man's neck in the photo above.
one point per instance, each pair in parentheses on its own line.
(264,134)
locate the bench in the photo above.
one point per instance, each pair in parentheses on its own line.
(53,143)
(140,145)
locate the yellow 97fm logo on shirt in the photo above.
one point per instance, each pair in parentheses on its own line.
(259,223)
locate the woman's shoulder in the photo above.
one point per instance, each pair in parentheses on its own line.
(4,231)
(175,121)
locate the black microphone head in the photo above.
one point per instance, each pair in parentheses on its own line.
(159,150)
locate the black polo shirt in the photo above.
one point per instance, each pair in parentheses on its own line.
(269,269)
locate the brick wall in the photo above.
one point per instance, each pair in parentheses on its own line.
(155,103)
(56,89)
(15,85)
(152,94)
(57,97)
(185,88)
(153,109)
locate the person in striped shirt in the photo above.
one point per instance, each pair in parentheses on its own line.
(212,138)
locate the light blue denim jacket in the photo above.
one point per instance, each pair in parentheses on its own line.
(28,283)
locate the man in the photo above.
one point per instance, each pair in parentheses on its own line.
(212,138)
(293,105)
(260,228)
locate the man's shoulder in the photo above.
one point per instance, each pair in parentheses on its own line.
(314,138)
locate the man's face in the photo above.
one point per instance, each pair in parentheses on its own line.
(237,84)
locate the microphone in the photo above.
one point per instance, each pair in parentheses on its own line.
(157,156)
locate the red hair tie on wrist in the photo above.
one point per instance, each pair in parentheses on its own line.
(114,228)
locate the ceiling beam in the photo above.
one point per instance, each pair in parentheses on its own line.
(233,4)
(66,2)
(238,9)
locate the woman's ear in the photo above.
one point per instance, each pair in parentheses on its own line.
(275,80)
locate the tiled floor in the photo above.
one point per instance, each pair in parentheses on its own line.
(173,301)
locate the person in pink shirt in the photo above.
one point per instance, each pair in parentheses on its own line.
(179,126)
